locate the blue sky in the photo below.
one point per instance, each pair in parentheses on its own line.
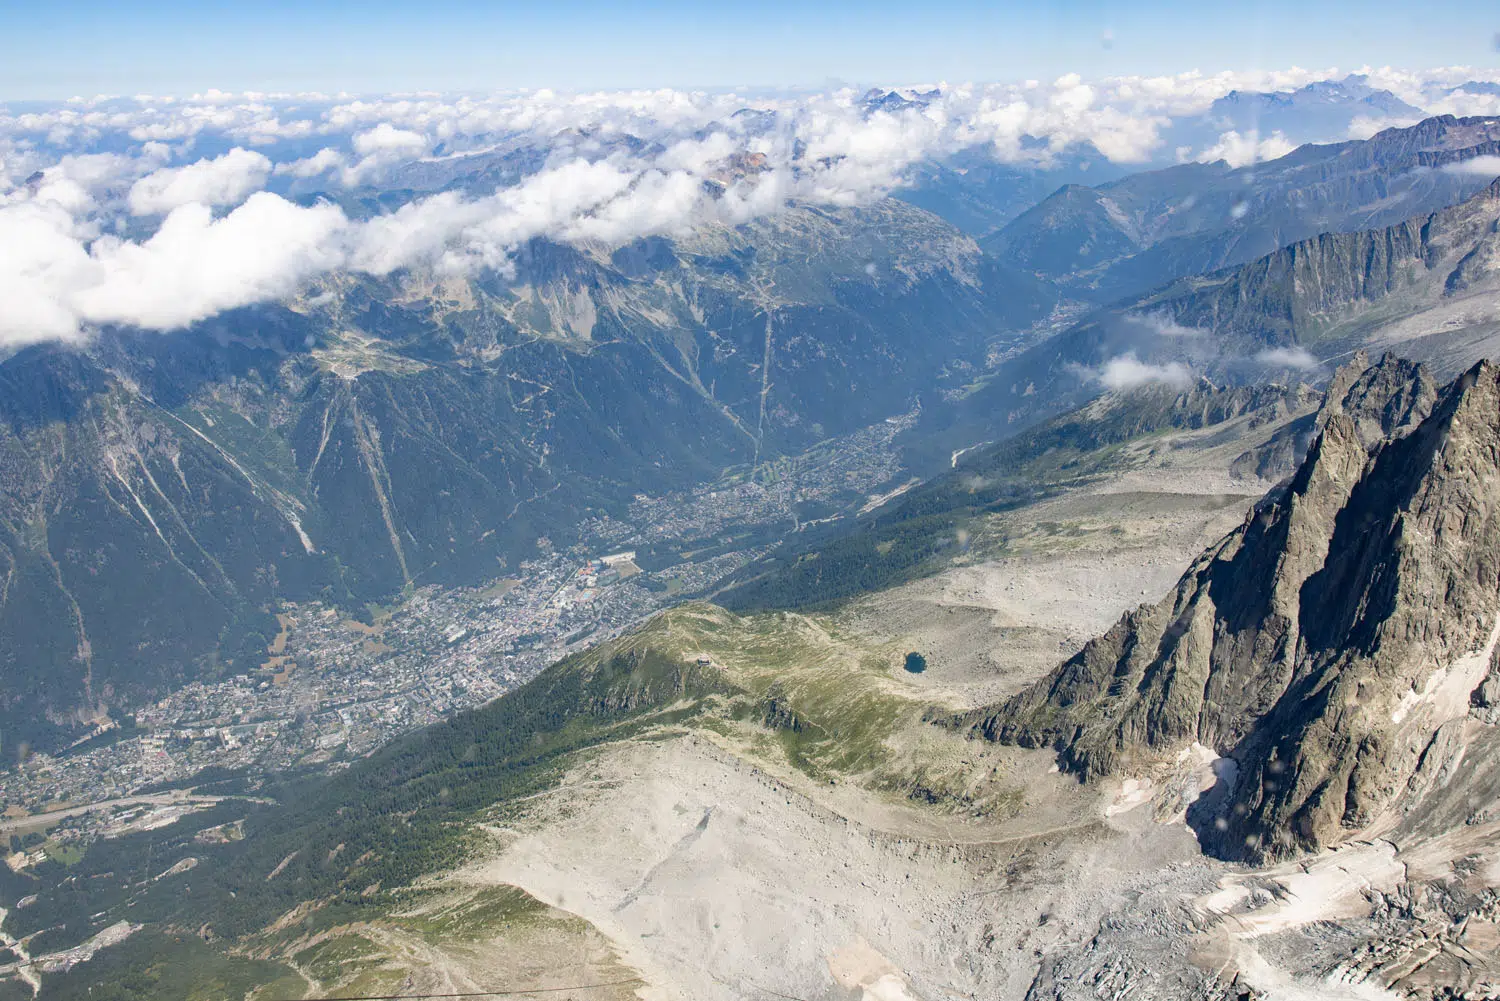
(61,48)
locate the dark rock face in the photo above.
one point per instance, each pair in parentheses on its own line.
(1388,399)
(1325,644)
(777,711)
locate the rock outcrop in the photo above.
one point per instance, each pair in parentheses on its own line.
(1314,288)
(1390,398)
(1329,647)
(1139,232)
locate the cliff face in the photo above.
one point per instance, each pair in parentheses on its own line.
(1300,291)
(1323,645)
(1126,237)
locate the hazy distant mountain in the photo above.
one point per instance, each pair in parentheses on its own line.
(1479,87)
(895,102)
(1321,112)
(980,194)
(1425,286)
(1321,97)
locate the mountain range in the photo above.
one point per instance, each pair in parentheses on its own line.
(1152,653)
(1124,237)
(1423,286)
(1317,686)
(285,452)
(163,492)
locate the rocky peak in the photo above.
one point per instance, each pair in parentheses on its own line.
(1322,645)
(1385,400)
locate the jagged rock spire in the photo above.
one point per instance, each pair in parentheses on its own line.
(1324,643)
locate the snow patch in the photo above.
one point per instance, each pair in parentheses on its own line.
(1447,689)
(1132,793)
(858,966)
(1335,885)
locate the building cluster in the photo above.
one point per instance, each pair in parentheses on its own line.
(831,477)
(333,689)
(338,688)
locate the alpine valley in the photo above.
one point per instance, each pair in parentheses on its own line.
(1052,576)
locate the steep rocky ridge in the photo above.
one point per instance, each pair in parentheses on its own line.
(1319,292)
(1427,287)
(1127,236)
(1388,398)
(1326,648)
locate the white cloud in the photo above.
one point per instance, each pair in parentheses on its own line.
(1364,126)
(270,130)
(386,138)
(1122,116)
(699,156)
(1478,166)
(1288,357)
(1193,92)
(81,184)
(446,229)
(40,252)
(1163,325)
(1464,104)
(380,148)
(1126,372)
(222,181)
(1241,150)
(195,266)
(54,281)
(418,233)
(320,162)
(609,167)
(1430,89)
(656,203)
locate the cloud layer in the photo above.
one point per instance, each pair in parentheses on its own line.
(159,212)
(1296,358)
(1480,166)
(225,180)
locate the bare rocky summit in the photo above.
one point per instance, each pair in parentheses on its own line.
(1389,398)
(1329,649)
